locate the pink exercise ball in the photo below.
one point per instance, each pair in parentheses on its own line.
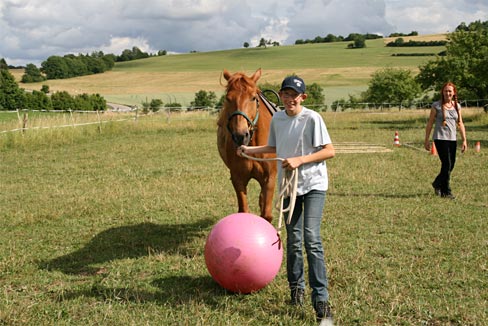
(243,253)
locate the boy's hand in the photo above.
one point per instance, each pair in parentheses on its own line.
(292,163)
(241,149)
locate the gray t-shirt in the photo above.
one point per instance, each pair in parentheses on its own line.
(301,135)
(447,132)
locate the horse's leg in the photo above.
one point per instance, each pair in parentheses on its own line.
(240,187)
(266,198)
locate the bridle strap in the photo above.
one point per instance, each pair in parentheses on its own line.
(251,123)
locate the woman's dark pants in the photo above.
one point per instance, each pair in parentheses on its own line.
(446,150)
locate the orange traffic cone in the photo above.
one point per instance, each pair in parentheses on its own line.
(477,147)
(433,150)
(396,140)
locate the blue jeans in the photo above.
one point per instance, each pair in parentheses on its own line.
(306,228)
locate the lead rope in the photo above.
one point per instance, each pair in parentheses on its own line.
(288,188)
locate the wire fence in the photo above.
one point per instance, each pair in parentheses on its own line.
(23,121)
(71,118)
(342,106)
(134,113)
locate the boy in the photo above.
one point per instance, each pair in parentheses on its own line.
(299,135)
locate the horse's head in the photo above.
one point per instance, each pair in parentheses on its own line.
(241,107)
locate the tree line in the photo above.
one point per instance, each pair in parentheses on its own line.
(70,65)
(359,39)
(208,99)
(12,97)
(400,42)
(332,38)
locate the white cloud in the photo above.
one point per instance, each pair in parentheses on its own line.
(32,30)
(338,17)
(437,16)
(276,30)
(119,44)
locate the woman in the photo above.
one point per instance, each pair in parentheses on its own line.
(446,114)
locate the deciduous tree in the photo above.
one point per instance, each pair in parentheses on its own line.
(11,96)
(204,99)
(32,74)
(465,64)
(392,85)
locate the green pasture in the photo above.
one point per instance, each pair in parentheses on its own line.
(107,227)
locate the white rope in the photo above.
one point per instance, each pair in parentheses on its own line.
(288,188)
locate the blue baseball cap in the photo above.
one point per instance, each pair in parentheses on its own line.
(295,83)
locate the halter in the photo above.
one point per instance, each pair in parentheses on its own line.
(251,123)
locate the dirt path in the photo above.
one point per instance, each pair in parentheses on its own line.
(119,107)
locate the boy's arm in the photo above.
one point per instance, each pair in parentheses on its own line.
(252,150)
(327,152)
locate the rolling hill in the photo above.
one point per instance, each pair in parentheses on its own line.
(340,71)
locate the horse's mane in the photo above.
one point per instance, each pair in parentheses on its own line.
(240,82)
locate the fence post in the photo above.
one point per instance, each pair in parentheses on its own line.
(24,122)
(99,122)
(72,119)
(168,114)
(18,118)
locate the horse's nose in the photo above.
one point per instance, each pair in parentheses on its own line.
(241,139)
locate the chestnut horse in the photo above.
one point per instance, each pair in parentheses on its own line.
(245,120)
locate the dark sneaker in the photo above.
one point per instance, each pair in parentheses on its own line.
(297,295)
(322,310)
(448,196)
(437,190)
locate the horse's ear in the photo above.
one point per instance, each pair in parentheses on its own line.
(256,75)
(226,74)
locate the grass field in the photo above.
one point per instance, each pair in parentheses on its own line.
(340,71)
(108,228)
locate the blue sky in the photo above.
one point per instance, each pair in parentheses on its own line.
(33,30)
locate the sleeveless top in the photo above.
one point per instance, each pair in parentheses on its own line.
(447,132)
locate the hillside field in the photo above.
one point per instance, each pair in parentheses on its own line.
(340,71)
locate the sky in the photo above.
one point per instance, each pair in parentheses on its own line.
(33,30)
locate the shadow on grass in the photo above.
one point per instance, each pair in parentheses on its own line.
(420,123)
(390,195)
(181,292)
(131,241)
(174,290)
(476,128)
(400,124)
